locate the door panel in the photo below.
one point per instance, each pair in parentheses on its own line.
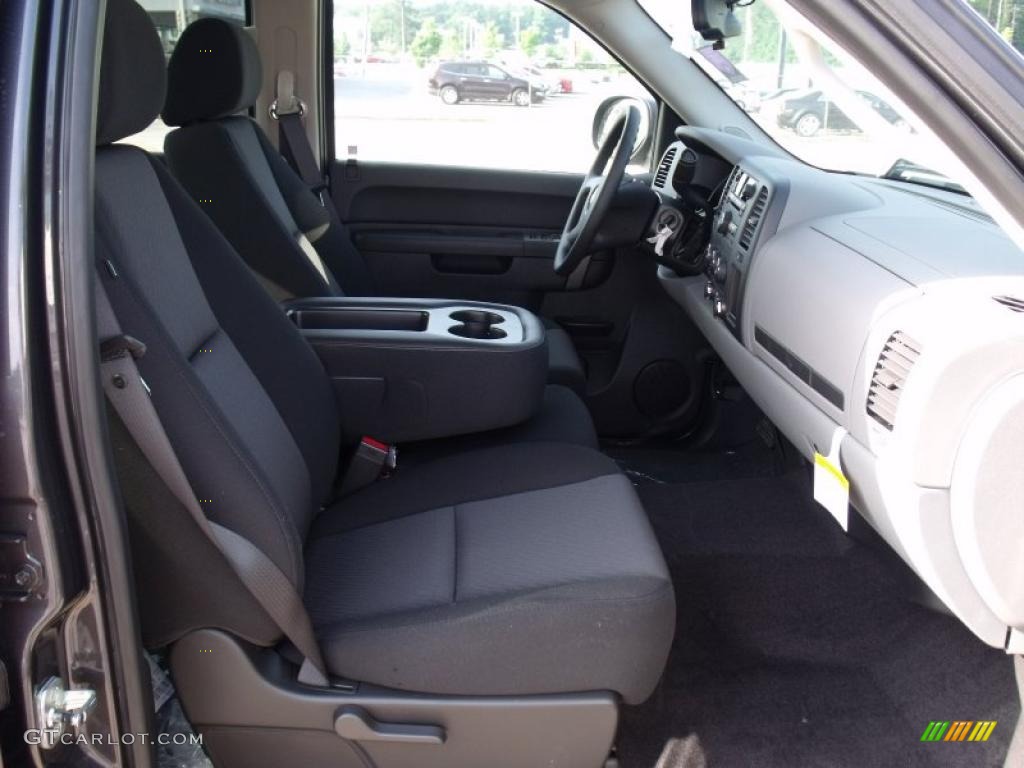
(459,233)
(491,235)
(370,192)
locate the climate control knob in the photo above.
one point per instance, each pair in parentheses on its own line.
(709,290)
(725,223)
(718,308)
(720,272)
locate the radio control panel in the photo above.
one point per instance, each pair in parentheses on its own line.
(738,222)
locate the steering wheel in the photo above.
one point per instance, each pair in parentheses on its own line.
(597,191)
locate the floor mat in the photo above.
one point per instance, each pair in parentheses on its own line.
(666,465)
(797,645)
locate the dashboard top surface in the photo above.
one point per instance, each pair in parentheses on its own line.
(919,233)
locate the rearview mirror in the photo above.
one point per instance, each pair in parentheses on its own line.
(614,107)
(715,20)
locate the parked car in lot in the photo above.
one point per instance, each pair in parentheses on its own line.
(550,82)
(456,81)
(807,112)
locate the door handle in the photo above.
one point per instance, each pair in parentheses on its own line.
(356,724)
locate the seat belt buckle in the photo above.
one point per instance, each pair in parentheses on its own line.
(370,461)
(377,448)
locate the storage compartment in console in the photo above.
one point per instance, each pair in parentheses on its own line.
(419,369)
(341,318)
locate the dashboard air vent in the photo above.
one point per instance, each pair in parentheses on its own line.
(753,219)
(898,356)
(661,177)
(729,182)
(1017,305)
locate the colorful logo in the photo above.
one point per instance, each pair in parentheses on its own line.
(958,730)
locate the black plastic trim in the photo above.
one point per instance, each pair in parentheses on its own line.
(799,368)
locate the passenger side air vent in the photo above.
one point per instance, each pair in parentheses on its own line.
(661,177)
(1017,305)
(898,356)
(753,219)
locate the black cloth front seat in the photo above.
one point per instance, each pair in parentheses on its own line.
(271,217)
(517,569)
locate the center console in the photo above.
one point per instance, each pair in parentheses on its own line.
(740,219)
(419,369)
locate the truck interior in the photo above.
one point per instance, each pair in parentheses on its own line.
(395,447)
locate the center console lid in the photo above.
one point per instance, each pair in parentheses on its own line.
(419,369)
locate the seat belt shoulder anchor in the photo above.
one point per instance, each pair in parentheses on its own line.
(118,346)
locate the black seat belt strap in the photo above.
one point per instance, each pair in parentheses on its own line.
(339,255)
(293,143)
(129,396)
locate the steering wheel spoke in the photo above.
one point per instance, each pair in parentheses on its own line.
(596,193)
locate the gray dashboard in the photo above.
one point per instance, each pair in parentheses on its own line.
(893,315)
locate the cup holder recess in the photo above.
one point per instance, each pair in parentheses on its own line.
(477,324)
(476,331)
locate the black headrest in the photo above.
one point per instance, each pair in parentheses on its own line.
(214,72)
(133,77)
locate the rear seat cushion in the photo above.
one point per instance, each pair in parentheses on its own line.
(525,569)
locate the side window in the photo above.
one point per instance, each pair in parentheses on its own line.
(1005,18)
(510,85)
(170,18)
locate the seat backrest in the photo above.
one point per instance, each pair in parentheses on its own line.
(244,400)
(229,166)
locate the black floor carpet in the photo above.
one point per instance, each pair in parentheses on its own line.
(796,645)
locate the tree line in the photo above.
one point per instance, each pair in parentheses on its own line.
(448,28)
(453,28)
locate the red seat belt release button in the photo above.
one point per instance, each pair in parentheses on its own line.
(370,461)
(390,452)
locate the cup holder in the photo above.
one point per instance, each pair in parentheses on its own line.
(477,331)
(477,317)
(477,324)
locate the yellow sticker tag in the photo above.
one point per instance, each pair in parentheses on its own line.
(831,488)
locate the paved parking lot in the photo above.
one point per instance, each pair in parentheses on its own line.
(388,114)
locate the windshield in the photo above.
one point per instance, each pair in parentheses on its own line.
(809,96)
